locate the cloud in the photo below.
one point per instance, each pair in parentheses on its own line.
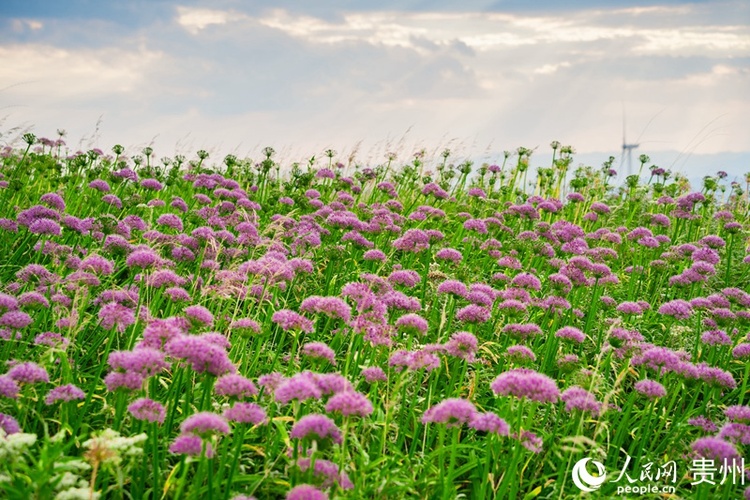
(316,76)
(195,19)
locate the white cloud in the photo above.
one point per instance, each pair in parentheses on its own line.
(194,19)
(486,32)
(56,74)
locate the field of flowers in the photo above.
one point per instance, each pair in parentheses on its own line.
(178,328)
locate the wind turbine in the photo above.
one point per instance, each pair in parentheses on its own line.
(627,148)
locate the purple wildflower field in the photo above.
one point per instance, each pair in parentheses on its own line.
(178,328)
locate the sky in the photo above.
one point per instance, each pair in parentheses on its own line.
(370,78)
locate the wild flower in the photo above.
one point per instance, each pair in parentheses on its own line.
(489,422)
(246,413)
(202,355)
(301,386)
(290,320)
(8,387)
(316,426)
(235,385)
(374,374)
(349,403)
(148,410)
(452,411)
(205,424)
(319,350)
(200,315)
(305,492)
(525,383)
(68,392)
(578,398)
(28,373)
(16,320)
(715,448)
(571,333)
(650,388)
(328,471)
(190,444)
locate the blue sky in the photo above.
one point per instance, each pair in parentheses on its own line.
(368,78)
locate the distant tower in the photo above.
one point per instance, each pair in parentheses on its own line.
(627,148)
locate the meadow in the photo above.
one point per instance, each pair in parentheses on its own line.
(422,328)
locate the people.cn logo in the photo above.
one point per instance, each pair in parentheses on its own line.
(584,480)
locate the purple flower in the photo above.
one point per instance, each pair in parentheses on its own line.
(245,413)
(704,423)
(473,314)
(525,383)
(679,309)
(578,398)
(374,254)
(374,374)
(190,444)
(152,184)
(715,448)
(28,373)
(522,330)
(200,314)
(453,287)
(114,315)
(45,226)
(204,356)
(333,307)
(449,254)
(715,376)
(530,441)
(290,320)
(123,380)
(571,333)
(349,403)
(9,424)
(234,385)
(735,433)
(716,337)
(245,325)
(142,258)
(111,199)
(305,492)
(301,386)
(204,424)
(412,324)
(489,422)
(520,353)
(526,280)
(97,264)
(738,413)
(328,472)
(462,345)
(651,389)
(16,320)
(170,220)
(452,411)
(147,409)
(319,350)
(67,392)
(8,387)
(629,308)
(99,185)
(144,361)
(405,277)
(316,426)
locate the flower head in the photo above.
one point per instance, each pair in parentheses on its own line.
(525,383)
